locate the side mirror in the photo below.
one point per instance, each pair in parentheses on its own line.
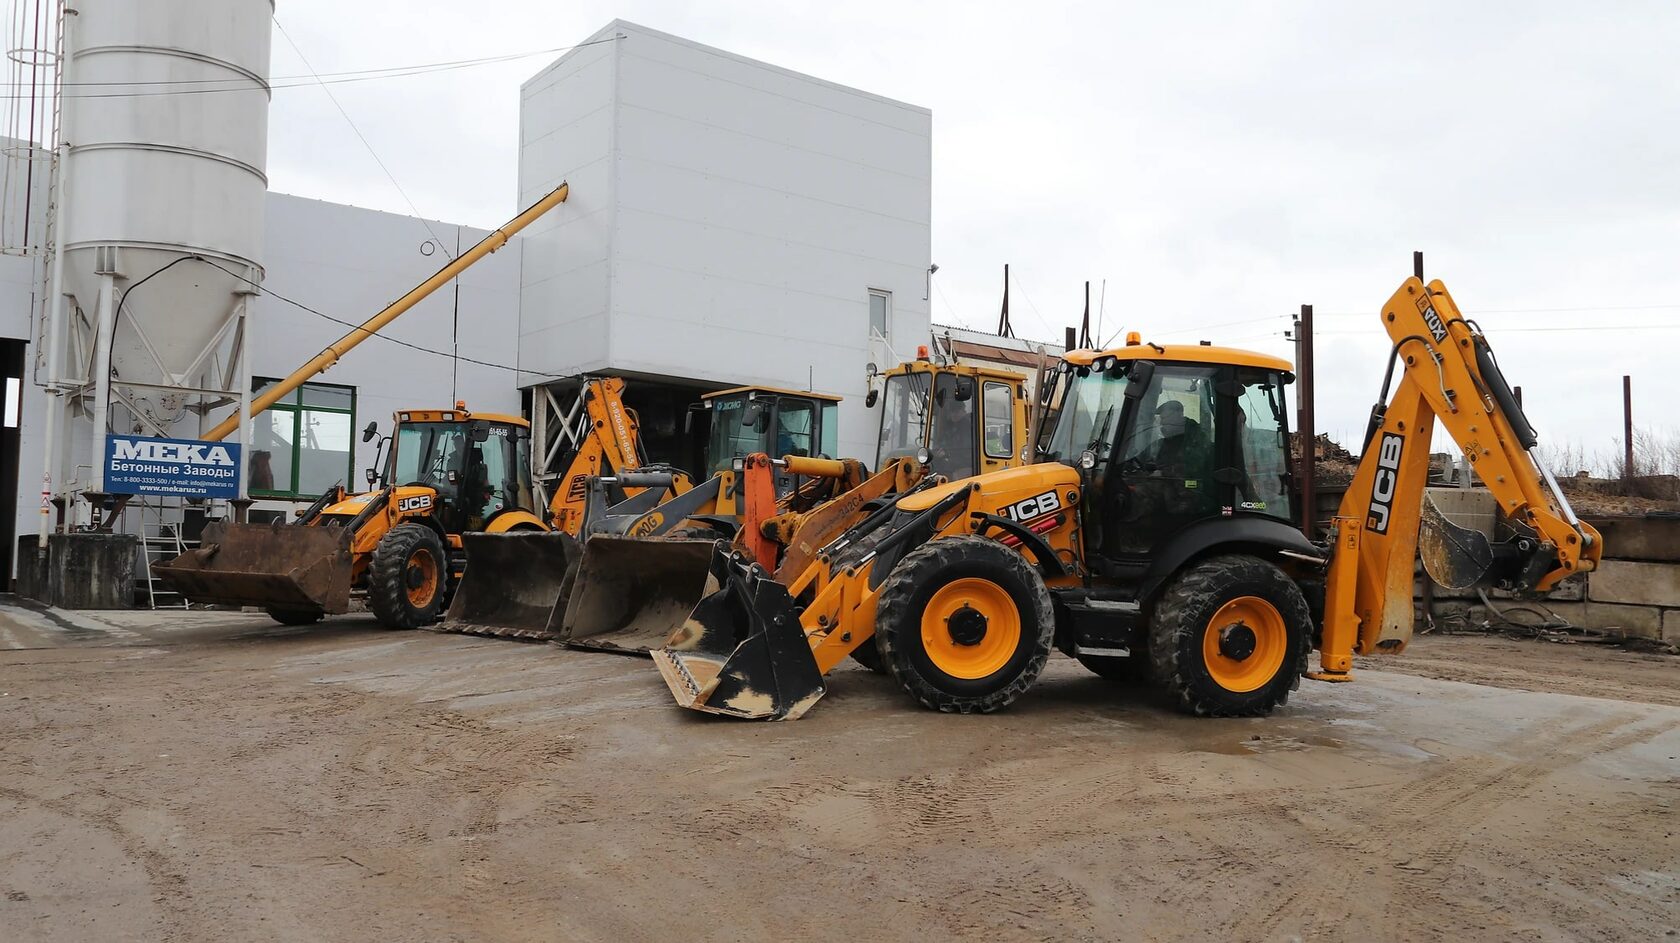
(870,400)
(688,420)
(754,414)
(480,433)
(1142,372)
(372,476)
(371,431)
(965,390)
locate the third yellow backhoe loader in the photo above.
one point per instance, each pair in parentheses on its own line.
(1156,544)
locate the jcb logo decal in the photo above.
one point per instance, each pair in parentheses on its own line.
(646,525)
(1034,507)
(576,487)
(419,502)
(1385,482)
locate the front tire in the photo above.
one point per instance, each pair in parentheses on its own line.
(1229,638)
(408,579)
(964,624)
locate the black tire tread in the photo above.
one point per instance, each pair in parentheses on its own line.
(1175,632)
(387,577)
(897,592)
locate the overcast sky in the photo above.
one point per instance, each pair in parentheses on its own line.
(1219,164)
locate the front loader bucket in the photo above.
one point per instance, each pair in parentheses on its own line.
(1453,556)
(272,566)
(631,594)
(515,585)
(742,652)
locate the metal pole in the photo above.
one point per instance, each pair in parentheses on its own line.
(1627,428)
(104,338)
(1309,430)
(326,358)
(248,424)
(55,292)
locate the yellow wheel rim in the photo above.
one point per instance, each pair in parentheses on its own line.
(422,573)
(970,628)
(1244,644)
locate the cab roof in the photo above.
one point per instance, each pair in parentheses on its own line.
(458,415)
(1183,353)
(961,369)
(802,394)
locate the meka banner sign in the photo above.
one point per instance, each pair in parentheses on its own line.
(184,468)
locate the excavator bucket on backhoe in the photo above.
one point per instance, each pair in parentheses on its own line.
(516,584)
(276,566)
(631,591)
(741,652)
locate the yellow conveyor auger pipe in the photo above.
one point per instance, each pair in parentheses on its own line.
(326,358)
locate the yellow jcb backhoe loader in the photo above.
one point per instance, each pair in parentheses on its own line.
(448,472)
(939,418)
(1156,544)
(519,585)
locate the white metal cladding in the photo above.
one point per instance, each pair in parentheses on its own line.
(167,118)
(728,219)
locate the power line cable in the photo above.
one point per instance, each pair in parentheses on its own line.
(436,239)
(264,289)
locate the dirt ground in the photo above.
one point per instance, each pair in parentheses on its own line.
(216,777)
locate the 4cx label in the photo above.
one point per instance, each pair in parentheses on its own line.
(1034,507)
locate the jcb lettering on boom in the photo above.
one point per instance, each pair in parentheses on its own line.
(1034,507)
(1383,485)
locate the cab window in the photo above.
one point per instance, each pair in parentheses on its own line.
(998,412)
(1262,450)
(795,428)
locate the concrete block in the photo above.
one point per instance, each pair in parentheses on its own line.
(1636,621)
(1642,584)
(1654,539)
(89,571)
(1671,626)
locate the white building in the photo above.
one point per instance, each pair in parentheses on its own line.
(730,222)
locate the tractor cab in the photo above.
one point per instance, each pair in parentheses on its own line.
(475,466)
(970,419)
(1168,438)
(750,419)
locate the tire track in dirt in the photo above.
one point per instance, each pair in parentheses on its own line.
(1432,819)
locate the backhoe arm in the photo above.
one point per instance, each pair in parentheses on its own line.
(1448,374)
(607,441)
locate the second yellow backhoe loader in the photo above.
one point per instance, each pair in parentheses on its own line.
(519,585)
(937,418)
(1156,544)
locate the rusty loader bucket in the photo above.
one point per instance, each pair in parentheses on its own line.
(742,651)
(632,594)
(285,567)
(515,585)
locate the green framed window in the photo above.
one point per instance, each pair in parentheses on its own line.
(305,443)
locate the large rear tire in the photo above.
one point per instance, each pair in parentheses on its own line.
(1229,638)
(964,624)
(408,579)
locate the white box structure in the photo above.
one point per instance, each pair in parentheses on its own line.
(727,224)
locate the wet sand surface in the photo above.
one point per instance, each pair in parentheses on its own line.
(213,776)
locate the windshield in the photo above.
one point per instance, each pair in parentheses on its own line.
(426,452)
(729,439)
(1090,407)
(903,416)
